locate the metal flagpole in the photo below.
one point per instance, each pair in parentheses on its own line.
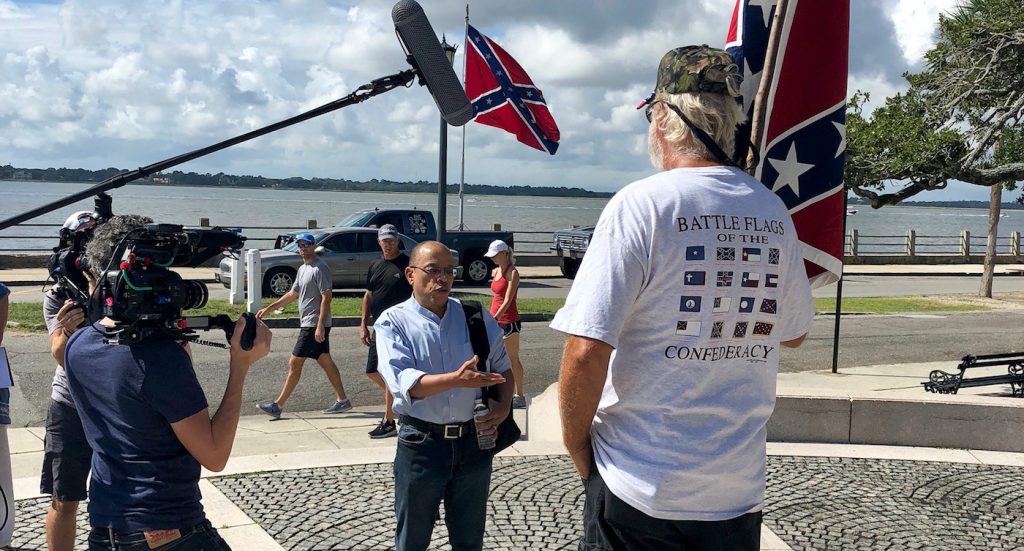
(462,171)
(839,289)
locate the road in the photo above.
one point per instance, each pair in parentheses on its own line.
(865,340)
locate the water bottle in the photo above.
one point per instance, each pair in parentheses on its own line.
(484,442)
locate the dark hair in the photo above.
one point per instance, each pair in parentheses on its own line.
(107,236)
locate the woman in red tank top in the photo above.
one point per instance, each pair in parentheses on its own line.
(505,286)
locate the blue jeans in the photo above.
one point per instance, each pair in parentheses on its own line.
(429,469)
(201,537)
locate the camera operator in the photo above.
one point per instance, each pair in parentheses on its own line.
(67,454)
(147,419)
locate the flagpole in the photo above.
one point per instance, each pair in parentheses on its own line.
(839,289)
(462,170)
(767,74)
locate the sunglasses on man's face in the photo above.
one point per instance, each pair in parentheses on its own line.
(304,244)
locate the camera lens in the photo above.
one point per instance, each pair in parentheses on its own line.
(196,295)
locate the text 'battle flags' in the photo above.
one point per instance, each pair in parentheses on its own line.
(803,142)
(503,96)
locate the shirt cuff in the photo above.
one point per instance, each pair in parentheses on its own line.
(406,380)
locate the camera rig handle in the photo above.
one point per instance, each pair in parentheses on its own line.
(248,337)
(364,92)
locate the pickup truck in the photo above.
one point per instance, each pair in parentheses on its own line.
(419,225)
(570,245)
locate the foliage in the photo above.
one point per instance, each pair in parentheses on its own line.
(960,119)
(193,179)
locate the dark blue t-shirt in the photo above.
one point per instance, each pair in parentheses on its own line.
(143,478)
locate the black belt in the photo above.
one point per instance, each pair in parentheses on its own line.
(131,537)
(451,431)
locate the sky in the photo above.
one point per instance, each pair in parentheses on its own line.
(125,83)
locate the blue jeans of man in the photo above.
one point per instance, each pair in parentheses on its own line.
(430,469)
(201,537)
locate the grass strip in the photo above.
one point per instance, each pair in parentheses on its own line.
(896,305)
(28,316)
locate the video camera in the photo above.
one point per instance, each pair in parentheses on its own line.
(66,266)
(144,297)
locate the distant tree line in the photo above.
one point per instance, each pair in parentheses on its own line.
(193,179)
(941,204)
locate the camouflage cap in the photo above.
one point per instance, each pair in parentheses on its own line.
(696,69)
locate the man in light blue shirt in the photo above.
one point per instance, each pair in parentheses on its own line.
(427,361)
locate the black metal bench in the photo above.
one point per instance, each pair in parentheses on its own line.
(942,382)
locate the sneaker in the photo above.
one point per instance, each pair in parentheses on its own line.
(340,406)
(384,429)
(519,402)
(271,409)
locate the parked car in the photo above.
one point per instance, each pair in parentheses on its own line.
(347,251)
(570,245)
(420,226)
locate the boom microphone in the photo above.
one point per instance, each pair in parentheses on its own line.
(426,55)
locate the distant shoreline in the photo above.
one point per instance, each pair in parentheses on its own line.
(221,180)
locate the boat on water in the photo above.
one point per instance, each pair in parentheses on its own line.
(851,211)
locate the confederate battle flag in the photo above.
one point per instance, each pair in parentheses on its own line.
(803,146)
(503,95)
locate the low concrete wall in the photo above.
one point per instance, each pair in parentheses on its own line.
(967,422)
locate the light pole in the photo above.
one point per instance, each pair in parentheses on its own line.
(442,163)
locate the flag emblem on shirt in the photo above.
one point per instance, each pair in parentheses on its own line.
(763,328)
(716,329)
(751,254)
(688,328)
(722,305)
(751,279)
(725,253)
(693,278)
(769,306)
(771,280)
(746,305)
(724,279)
(740,330)
(773,256)
(689,303)
(695,253)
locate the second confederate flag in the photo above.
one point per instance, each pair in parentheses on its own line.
(503,96)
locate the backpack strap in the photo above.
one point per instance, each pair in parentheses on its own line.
(478,333)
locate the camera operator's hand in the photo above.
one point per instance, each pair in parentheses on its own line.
(70,317)
(242,359)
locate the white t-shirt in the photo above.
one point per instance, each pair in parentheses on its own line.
(694,275)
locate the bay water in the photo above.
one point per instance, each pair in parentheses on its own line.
(280,209)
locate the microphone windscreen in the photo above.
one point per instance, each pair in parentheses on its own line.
(418,36)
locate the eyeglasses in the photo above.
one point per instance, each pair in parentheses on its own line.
(435,272)
(650,106)
(303,244)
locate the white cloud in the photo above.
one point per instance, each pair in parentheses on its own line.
(915,23)
(99,83)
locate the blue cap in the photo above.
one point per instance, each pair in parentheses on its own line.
(305,236)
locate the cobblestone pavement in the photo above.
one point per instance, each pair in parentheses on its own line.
(851,504)
(811,503)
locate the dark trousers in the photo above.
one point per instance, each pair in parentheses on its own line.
(430,469)
(610,524)
(201,537)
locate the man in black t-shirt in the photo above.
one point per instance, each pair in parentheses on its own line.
(386,286)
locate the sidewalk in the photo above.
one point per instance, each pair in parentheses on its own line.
(314,481)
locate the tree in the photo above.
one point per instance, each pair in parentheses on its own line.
(961,119)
